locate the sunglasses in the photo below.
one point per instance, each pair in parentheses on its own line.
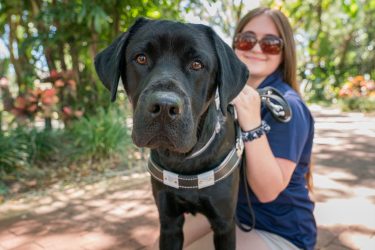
(269,44)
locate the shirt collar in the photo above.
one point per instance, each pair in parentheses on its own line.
(275,77)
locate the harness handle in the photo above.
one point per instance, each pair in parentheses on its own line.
(276,104)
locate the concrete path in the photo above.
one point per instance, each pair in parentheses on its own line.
(344,177)
(119,213)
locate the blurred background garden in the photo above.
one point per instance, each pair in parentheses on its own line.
(57,123)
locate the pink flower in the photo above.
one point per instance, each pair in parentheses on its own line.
(67,110)
(53,73)
(4,82)
(59,83)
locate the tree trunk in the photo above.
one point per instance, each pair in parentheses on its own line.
(344,52)
(62,57)
(48,123)
(49,58)
(13,59)
(94,44)
(75,62)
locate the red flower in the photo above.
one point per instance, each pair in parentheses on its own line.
(67,110)
(4,82)
(59,83)
(32,108)
(78,113)
(48,97)
(54,74)
(20,103)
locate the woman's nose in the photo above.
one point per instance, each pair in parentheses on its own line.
(257,48)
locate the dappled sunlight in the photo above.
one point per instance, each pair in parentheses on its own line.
(328,141)
(349,211)
(343,237)
(326,181)
(116,212)
(344,174)
(146,234)
(119,212)
(358,239)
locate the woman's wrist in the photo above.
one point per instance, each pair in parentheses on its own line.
(255,133)
(251,124)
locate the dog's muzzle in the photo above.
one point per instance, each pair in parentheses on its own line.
(163,119)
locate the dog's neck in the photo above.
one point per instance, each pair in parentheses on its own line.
(212,156)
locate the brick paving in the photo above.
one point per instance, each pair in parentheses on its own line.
(119,213)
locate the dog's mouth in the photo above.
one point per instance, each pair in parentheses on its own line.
(162,140)
(178,136)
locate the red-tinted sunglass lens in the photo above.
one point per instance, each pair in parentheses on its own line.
(271,45)
(245,42)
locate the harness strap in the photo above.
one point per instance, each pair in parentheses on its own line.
(214,133)
(205,179)
(244,227)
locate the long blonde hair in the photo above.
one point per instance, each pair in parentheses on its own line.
(289,62)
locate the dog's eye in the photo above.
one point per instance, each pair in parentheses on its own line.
(141,59)
(196,65)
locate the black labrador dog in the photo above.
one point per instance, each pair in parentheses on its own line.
(180,79)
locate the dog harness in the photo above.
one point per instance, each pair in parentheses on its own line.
(208,178)
(280,111)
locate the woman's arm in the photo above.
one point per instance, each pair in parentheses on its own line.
(266,175)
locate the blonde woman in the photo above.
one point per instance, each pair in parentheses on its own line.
(277,164)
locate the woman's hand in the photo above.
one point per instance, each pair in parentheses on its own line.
(247,104)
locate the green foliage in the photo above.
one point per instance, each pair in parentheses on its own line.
(89,144)
(360,104)
(90,138)
(24,147)
(44,145)
(14,153)
(3,190)
(336,39)
(101,135)
(43,36)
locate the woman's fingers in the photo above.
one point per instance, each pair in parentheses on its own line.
(247,104)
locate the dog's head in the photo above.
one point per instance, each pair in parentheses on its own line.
(170,72)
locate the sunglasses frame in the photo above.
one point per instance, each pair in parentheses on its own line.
(261,42)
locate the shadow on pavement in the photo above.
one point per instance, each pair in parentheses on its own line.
(122,217)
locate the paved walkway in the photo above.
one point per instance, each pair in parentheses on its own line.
(119,213)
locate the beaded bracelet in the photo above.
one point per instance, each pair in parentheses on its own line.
(255,133)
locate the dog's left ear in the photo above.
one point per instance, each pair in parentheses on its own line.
(109,62)
(232,73)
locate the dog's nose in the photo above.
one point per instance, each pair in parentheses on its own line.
(164,104)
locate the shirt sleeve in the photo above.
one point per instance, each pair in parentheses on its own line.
(287,140)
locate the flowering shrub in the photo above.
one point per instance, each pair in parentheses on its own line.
(358,87)
(358,94)
(66,88)
(60,98)
(34,101)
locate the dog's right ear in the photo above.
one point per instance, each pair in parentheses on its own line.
(109,62)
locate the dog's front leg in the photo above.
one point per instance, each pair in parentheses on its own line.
(225,236)
(171,221)
(171,234)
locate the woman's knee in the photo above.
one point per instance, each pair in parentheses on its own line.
(195,227)
(249,241)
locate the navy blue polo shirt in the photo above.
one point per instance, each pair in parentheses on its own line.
(290,215)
